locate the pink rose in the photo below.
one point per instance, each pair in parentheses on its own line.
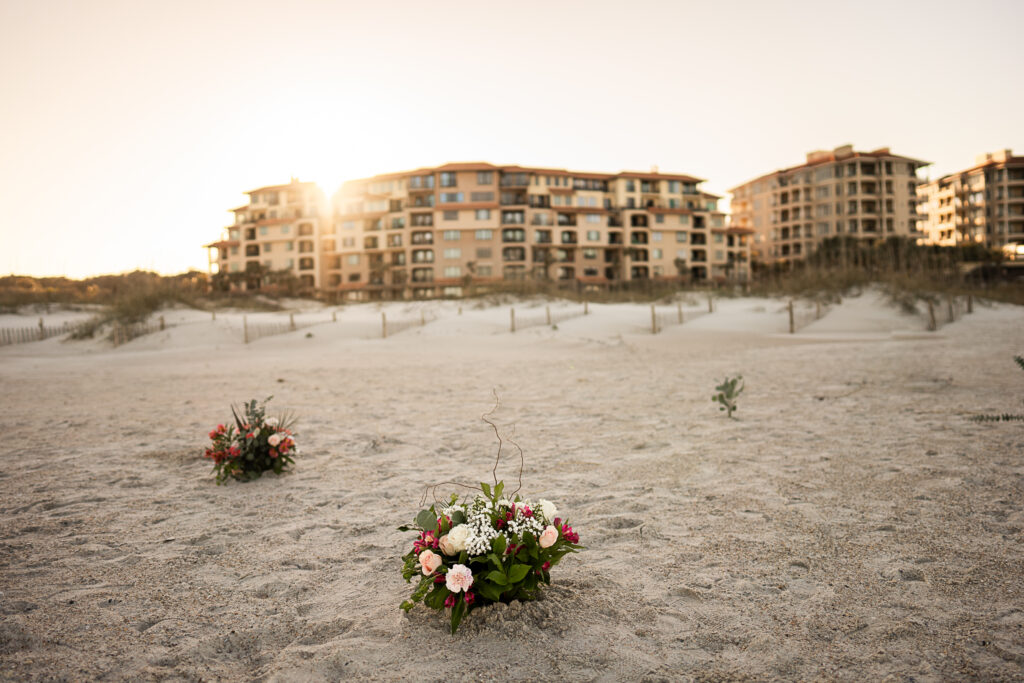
(446,546)
(548,536)
(429,561)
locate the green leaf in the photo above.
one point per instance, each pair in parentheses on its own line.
(458,517)
(496,561)
(489,591)
(407,605)
(405,528)
(435,599)
(498,545)
(458,612)
(497,577)
(498,489)
(486,488)
(518,572)
(426,520)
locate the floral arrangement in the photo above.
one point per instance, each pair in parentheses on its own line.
(483,549)
(254,444)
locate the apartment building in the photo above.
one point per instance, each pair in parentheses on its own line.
(437,231)
(869,195)
(278,233)
(983,204)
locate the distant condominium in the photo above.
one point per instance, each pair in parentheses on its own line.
(436,231)
(983,204)
(276,233)
(868,195)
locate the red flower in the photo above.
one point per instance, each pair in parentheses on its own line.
(470,598)
(450,600)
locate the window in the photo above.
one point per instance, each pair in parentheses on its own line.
(423,238)
(593,218)
(513,254)
(681,237)
(513,217)
(451,235)
(684,219)
(452,271)
(354,277)
(513,235)
(264,230)
(655,236)
(267,246)
(422,255)
(659,218)
(234,250)
(483,252)
(305,247)
(451,215)
(593,235)
(447,180)
(285,229)
(398,222)
(485,177)
(484,234)
(483,214)
(454,252)
(305,264)
(451,197)
(590,253)
(484,270)
(353,259)
(348,242)
(348,225)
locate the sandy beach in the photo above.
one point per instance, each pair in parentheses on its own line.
(852,524)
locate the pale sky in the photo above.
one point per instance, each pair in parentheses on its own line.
(128,129)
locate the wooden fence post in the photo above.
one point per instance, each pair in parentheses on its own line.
(711,306)
(460,310)
(679,311)
(512,320)
(970,303)
(931,316)
(291,322)
(547,312)
(214,315)
(383,325)
(423,318)
(42,330)
(792,322)
(163,324)
(949,307)
(334,316)
(654,321)
(586,308)
(245,329)
(817,310)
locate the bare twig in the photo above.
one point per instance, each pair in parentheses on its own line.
(432,490)
(522,463)
(484,417)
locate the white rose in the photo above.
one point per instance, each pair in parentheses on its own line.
(458,536)
(274,439)
(270,422)
(548,509)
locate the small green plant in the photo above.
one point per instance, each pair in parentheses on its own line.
(727,392)
(1005,417)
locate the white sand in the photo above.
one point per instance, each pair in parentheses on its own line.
(852,524)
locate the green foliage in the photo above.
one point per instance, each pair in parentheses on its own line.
(727,393)
(254,444)
(1004,417)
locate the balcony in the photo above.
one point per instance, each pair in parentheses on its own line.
(515,179)
(514,199)
(566,219)
(568,237)
(422,238)
(513,217)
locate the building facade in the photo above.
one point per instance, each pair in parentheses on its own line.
(983,204)
(869,195)
(276,235)
(439,231)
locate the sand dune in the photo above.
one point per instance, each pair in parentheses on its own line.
(852,524)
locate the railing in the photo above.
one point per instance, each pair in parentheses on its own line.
(23,335)
(254,331)
(659,321)
(537,320)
